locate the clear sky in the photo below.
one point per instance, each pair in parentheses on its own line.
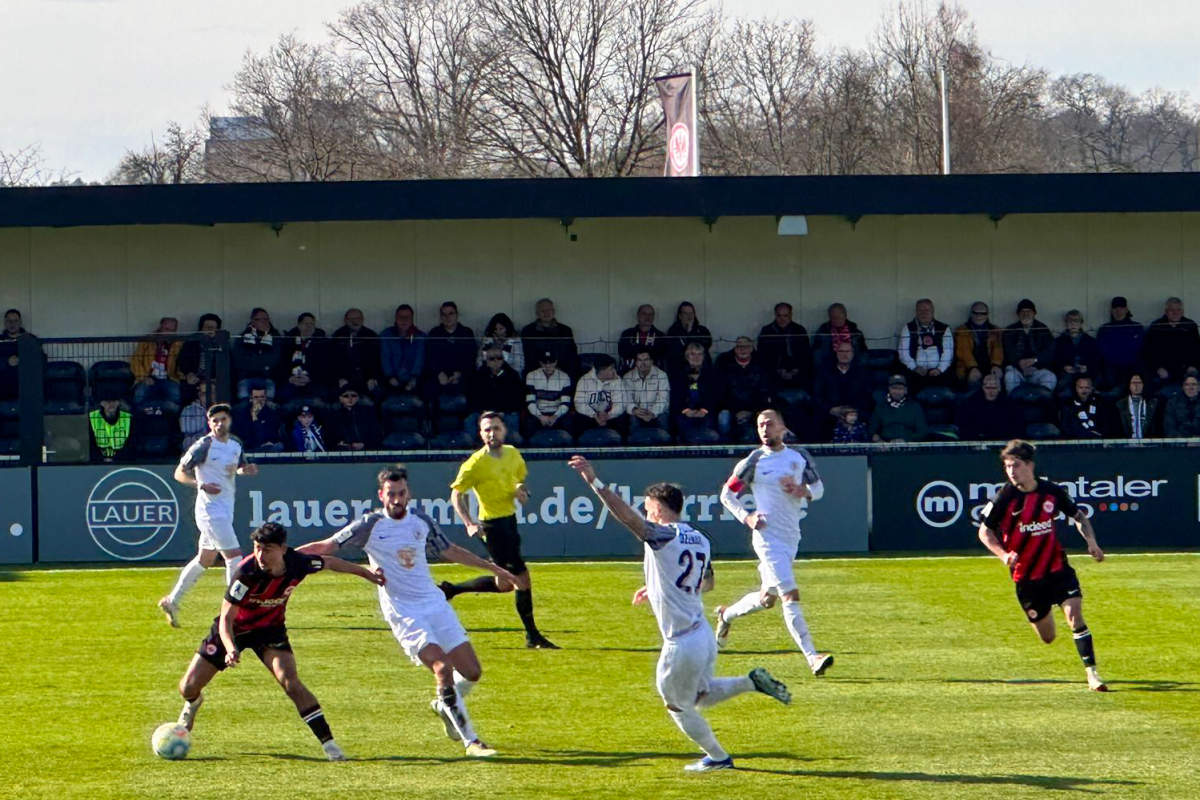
(89,79)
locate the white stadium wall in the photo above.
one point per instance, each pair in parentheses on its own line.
(119,280)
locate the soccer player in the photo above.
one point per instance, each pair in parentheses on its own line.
(252,616)
(497,473)
(782,482)
(400,542)
(677,565)
(210,466)
(1018,528)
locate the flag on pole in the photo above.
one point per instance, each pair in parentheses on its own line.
(678,96)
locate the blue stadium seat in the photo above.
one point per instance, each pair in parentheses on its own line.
(404,440)
(551,437)
(599,437)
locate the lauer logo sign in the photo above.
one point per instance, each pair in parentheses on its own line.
(132,513)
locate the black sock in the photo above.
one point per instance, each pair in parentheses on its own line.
(525,612)
(484,583)
(315,718)
(1083,643)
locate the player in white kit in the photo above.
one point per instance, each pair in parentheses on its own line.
(210,465)
(677,566)
(400,542)
(782,482)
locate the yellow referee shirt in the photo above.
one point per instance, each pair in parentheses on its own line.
(493,479)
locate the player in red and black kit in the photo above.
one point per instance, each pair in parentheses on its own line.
(1018,527)
(252,616)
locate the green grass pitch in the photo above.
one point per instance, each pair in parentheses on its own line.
(940,689)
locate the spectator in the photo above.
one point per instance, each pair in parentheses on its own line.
(849,429)
(155,365)
(495,386)
(643,335)
(547,333)
(111,428)
(897,418)
(193,422)
(648,393)
(449,356)
(258,424)
(1028,350)
(987,415)
(351,426)
(926,348)
(844,383)
(307,436)
(834,331)
(256,354)
(306,368)
(747,391)
(1120,342)
(547,396)
(357,361)
(198,362)
(1182,417)
(1136,411)
(600,398)
(695,396)
(9,360)
(683,331)
(1075,351)
(402,353)
(500,332)
(978,348)
(1084,415)
(785,353)
(1172,345)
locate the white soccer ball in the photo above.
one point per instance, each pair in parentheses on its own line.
(171,741)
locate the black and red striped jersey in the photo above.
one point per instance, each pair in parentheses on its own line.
(1024,523)
(261,597)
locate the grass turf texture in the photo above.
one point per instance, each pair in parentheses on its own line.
(940,690)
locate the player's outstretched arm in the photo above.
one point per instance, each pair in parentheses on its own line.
(322,547)
(1084,525)
(336,564)
(461,555)
(225,627)
(626,514)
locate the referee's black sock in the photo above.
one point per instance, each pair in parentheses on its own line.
(1083,643)
(315,718)
(484,583)
(525,612)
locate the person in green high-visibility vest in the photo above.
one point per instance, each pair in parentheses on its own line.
(111,432)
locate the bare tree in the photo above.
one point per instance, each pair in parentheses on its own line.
(571,90)
(25,166)
(179,158)
(298,119)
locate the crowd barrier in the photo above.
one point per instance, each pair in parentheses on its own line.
(877,501)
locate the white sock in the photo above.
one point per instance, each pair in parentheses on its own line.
(230,566)
(748,604)
(793,618)
(462,685)
(460,718)
(698,730)
(721,689)
(188,576)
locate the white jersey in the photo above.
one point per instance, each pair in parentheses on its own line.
(761,473)
(402,548)
(214,461)
(677,556)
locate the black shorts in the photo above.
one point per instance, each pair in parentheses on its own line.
(1038,597)
(504,543)
(212,649)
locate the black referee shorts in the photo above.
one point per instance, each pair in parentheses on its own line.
(504,543)
(1038,597)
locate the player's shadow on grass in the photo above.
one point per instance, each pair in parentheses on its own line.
(1114,686)
(1055,782)
(611,758)
(339,628)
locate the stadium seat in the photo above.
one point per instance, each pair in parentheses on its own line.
(939,403)
(649,436)
(551,437)
(404,440)
(451,440)
(402,413)
(1042,430)
(10,427)
(63,384)
(155,428)
(881,359)
(587,361)
(111,379)
(700,436)
(943,432)
(599,437)
(452,404)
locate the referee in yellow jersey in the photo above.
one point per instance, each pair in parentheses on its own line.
(497,473)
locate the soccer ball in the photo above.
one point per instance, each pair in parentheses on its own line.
(171,741)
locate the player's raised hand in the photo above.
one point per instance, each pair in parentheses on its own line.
(583,467)
(522,494)
(211,488)
(756,520)
(640,596)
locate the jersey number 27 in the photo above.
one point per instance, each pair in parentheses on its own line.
(691,561)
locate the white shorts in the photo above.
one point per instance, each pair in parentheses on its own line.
(685,666)
(217,534)
(418,627)
(775,557)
